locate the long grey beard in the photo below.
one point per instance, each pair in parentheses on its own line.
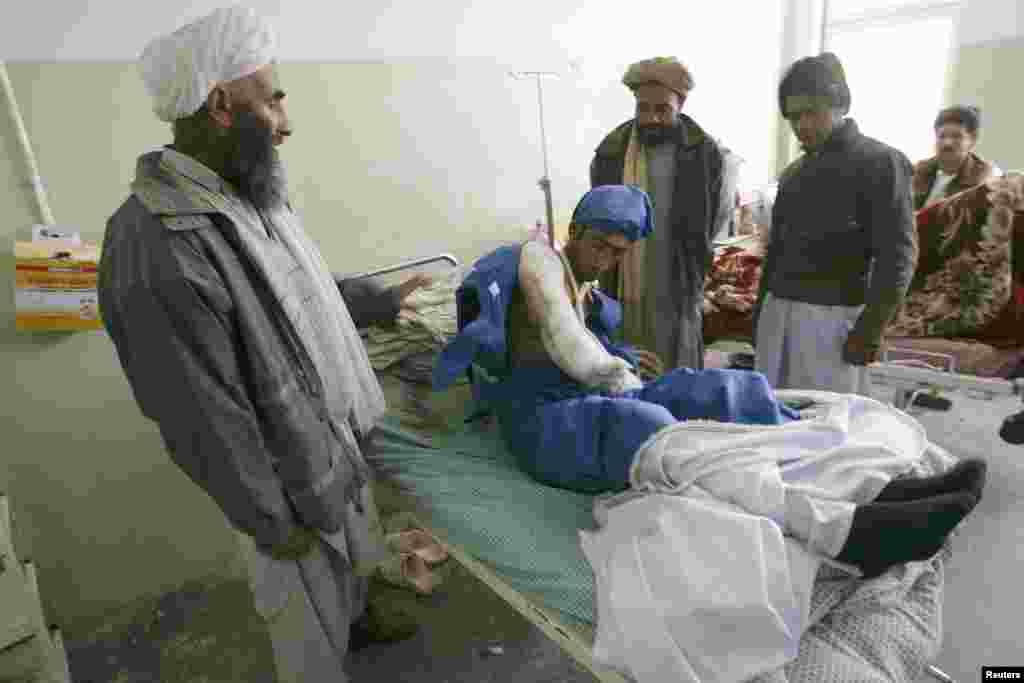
(267,186)
(262,182)
(254,166)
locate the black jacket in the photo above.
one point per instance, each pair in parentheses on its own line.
(839,215)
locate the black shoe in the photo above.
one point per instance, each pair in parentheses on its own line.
(380,626)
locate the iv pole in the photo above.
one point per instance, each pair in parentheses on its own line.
(545,182)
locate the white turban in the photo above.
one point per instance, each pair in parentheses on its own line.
(181,69)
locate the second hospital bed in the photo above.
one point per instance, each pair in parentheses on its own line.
(521,538)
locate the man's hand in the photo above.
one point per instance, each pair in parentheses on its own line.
(857,351)
(411,285)
(299,544)
(648,364)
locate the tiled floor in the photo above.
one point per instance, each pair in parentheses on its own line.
(211,634)
(984,608)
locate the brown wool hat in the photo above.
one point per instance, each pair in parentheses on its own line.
(821,76)
(666,71)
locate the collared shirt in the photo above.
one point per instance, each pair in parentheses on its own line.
(942,181)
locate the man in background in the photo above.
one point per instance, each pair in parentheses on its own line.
(660,282)
(842,248)
(728,216)
(955,166)
(236,341)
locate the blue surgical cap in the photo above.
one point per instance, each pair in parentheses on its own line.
(624,209)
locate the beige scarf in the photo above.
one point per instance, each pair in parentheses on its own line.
(352,394)
(635,321)
(351,391)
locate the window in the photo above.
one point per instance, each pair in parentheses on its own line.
(897,56)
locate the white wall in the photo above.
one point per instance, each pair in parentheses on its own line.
(984,21)
(987,74)
(531,30)
(731,46)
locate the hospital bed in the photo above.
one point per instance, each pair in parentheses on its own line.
(521,538)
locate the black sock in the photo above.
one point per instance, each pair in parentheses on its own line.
(968,475)
(886,534)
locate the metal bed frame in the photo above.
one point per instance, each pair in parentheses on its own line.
(912,377)
(448,258)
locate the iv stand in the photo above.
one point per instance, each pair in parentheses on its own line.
(545,182)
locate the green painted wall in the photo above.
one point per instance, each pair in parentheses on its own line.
(988,75)
(104,514)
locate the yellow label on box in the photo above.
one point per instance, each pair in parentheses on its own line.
(55,286)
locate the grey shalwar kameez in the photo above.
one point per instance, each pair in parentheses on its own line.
(220,326)
(661,176)
(687,231)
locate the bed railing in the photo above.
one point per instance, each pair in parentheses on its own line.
(386,270)
(910,380)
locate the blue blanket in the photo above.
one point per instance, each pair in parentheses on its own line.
(567,436)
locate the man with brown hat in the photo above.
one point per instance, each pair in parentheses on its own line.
(842,248)
(679,165)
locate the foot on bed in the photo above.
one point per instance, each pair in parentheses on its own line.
(967,476)
(886,534)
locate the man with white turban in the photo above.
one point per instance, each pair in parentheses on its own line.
(664,152)
(237,342)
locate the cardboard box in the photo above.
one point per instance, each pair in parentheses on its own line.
(55,286)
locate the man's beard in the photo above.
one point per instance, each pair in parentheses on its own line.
(655,135)
(253,165)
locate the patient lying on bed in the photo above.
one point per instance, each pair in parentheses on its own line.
(574,412)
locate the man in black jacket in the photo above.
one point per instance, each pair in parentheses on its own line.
(665,153)
(842,248)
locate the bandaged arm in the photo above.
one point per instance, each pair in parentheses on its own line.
(572,347)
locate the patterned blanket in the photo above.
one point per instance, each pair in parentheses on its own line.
(730,292)
(963,280)
(424,325)
(967,293)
